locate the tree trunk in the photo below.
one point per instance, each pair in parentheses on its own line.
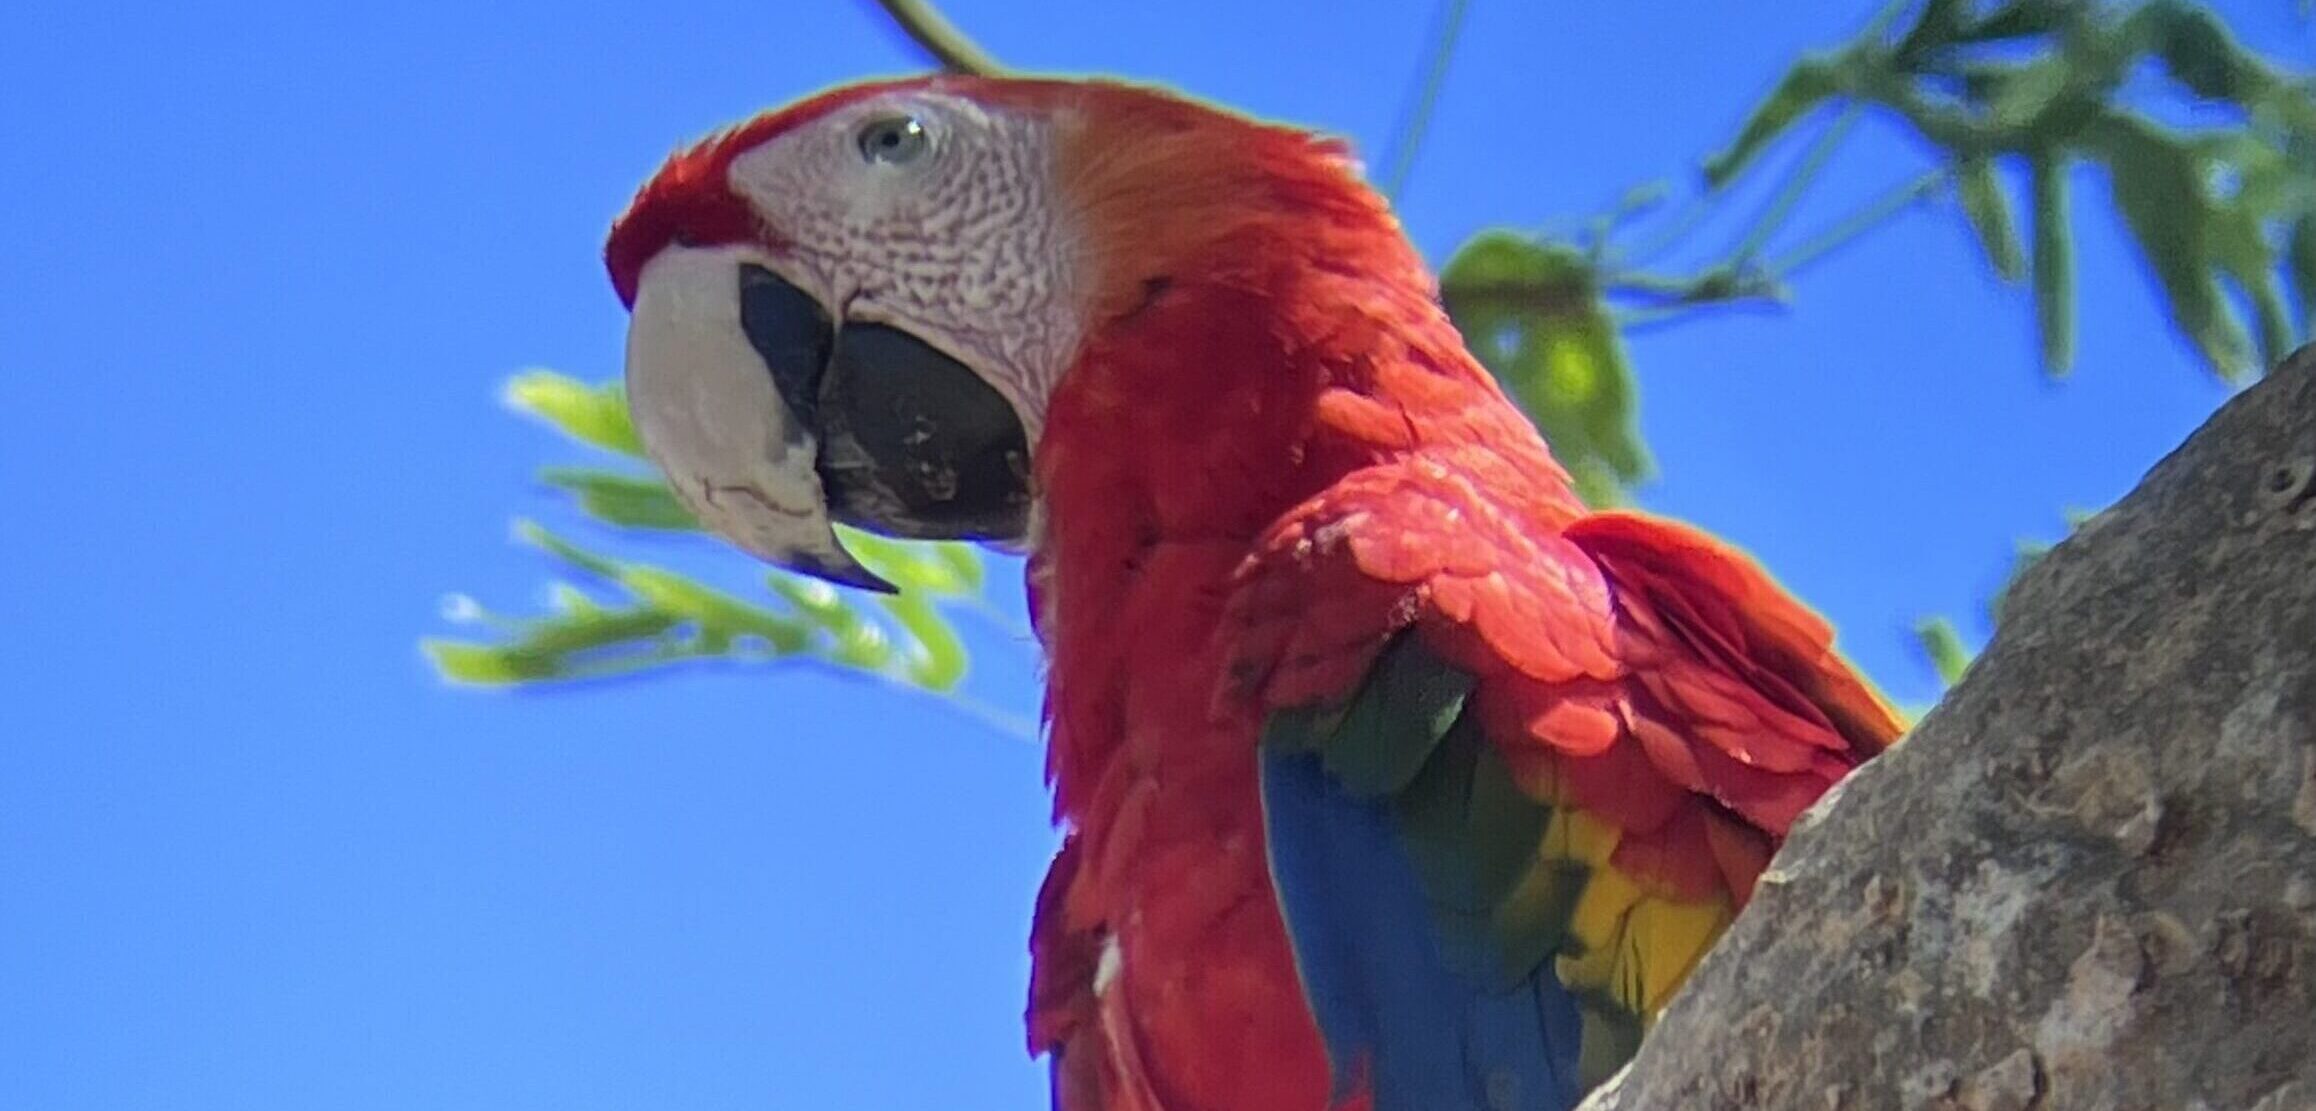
(2088,879)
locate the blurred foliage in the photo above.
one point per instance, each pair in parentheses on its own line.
(2223,212)
(659,617)
(1942,643)
(2010,97)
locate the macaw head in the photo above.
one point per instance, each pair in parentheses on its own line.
(855,309)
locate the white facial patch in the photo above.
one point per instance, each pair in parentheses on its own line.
(963,245)
(708,413)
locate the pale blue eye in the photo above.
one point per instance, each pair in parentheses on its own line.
(895,140)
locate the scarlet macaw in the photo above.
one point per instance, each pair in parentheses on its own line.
(1392,776)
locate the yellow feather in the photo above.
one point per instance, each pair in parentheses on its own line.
(1663,940)
(1633,945)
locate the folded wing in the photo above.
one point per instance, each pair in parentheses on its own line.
(1520,770)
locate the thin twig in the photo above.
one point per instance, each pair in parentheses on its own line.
(1399,157)
(1765,283)
(1865,219)
(1636,321)
(935,35)
(1796,185)
(1673,229)
(1664,287)
(1692,214)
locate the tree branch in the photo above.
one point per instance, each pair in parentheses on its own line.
(1865,219)
(935,35)
(1399,160)
(1796,185)
(2084,881)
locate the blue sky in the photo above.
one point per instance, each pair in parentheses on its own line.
(266,268)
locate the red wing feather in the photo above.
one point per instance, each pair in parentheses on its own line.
(1639,669)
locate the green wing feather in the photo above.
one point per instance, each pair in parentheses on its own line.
(1504,880)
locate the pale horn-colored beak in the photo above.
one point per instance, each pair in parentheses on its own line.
(711,415)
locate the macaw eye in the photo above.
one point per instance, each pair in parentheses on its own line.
(895,140)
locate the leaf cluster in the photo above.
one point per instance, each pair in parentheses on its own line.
(2222,209)
(642,616)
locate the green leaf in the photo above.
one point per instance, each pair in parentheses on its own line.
(936,661)
(483,664)
(2273,318)
(674,596)
(2054,262)
(854,641)
(2268,180)
(674,618)
(2021,19)
(536,535)
(2158,182)
(2056,82)
(630,501)
(1988,210)
(690,600)
(594,415)
(665,618)
(964,563)
(546,649)
(950,570)
(562,597)
(1498,260)
(1808,84)
(1937,26)
(2200,53)
(2027,96)
(1943,644)
(2300,251)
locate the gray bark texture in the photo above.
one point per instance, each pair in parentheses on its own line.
(2088,878)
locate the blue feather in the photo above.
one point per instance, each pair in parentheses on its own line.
(1393,1011)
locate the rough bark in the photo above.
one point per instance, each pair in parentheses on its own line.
(2088,879)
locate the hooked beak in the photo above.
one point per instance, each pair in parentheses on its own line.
(774,419)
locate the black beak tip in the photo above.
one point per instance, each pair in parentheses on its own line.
(845,573)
